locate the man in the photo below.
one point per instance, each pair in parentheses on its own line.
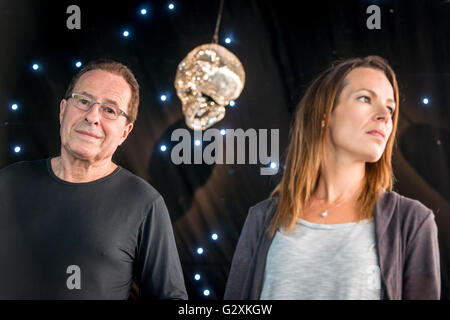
(78,226)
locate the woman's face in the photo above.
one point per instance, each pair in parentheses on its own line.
(365,104)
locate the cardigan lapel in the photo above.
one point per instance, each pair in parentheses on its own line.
(387,243)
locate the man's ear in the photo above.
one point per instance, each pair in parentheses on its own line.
(62,108)
(126,132)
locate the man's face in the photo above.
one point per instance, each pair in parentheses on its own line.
(102,86)
(366,103)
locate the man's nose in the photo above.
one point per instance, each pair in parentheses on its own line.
(93,114)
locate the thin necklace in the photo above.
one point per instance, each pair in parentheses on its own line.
(325,212)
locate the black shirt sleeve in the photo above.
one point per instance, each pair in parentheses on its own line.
(158,269)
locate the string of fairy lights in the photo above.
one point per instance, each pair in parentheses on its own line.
(164,98)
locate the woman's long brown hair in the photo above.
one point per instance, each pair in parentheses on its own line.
(307,141)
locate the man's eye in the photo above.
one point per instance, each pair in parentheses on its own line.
(84,101)
(110,110)
(365,99)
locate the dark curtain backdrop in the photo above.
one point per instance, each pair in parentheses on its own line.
(283,45)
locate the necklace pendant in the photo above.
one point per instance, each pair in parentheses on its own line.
(324,214)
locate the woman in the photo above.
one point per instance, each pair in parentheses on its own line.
(333,228)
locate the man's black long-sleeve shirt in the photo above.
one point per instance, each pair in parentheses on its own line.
(63,240)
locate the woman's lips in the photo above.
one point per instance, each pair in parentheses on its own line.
(376,134)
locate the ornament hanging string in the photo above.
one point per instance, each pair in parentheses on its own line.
(219,18)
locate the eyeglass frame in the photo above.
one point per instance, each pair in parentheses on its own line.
(121,112)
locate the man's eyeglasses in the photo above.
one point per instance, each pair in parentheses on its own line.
(108,111)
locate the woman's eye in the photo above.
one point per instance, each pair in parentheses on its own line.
(391,110)
(364,99)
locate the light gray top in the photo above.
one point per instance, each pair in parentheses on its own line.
(407,248)
(323,262)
